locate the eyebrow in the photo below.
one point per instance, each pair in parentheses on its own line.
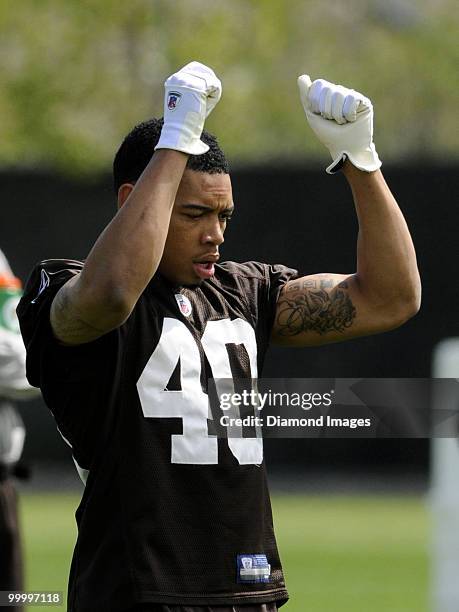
(204,208)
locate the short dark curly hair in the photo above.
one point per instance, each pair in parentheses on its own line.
(138,147)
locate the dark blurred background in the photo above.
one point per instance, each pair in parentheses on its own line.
(300,217)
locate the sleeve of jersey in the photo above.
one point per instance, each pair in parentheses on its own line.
(276,277)
(73,379)
(265,282)
(44,352)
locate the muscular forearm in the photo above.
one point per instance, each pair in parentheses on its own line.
(387,272)
(124,258)
(128,252)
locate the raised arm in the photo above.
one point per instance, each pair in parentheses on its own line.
(385,290)
(129,250)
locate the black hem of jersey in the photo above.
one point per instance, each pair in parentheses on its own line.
(279,596)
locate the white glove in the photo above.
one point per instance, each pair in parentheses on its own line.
(190,96)
(342,119)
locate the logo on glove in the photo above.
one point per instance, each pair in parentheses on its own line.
(173,100)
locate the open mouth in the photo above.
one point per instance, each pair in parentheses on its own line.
(204,269)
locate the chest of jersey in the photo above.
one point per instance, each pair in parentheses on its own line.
(192,353)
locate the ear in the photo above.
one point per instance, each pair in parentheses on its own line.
(124,192)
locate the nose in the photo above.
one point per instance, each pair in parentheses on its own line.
(213,233)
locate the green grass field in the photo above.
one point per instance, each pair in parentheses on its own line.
(346,554)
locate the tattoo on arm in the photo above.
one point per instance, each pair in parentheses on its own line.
(316,310)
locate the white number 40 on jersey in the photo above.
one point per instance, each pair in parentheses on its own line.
(191,404)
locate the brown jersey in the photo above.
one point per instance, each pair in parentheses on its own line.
(171,512)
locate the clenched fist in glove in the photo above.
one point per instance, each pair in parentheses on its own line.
(190,96)
(342,119)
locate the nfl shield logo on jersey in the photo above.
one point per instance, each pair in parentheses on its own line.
(184,304)
(246,562)
(173,100)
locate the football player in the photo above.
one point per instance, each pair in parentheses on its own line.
(124,344)
(13,386)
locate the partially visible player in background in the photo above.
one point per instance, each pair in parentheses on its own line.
(13,386)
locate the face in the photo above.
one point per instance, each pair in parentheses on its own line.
(202,208)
